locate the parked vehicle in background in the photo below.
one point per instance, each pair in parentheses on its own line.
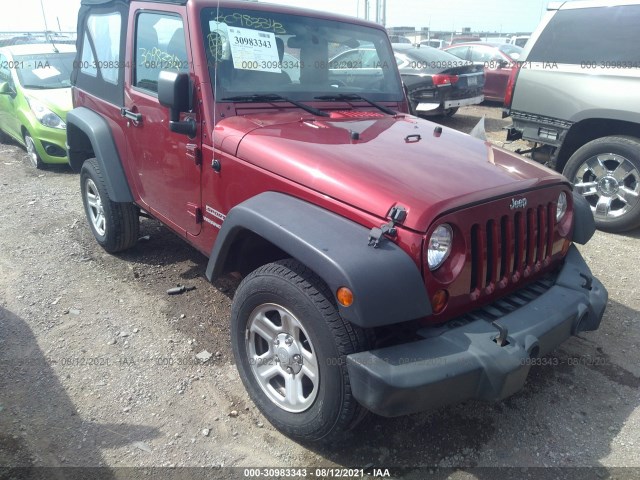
(498,60)
(434,43)
(35,96)
(437,82)
(388,264)
(465,39)
(519,40)
(577,98)
(21,38)
(399,39)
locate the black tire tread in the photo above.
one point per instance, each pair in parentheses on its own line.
(122,217)
(348,339)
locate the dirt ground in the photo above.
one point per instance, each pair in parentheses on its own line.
(98,366)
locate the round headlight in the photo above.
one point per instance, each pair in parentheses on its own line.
(561,207)
(439,246)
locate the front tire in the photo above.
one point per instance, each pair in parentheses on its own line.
(115,225)
(290,345)
(32,153)
(606,172)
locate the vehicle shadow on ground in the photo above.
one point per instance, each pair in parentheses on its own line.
(577,396)
(17,152)
(159,245)
(38,420)
(635,233)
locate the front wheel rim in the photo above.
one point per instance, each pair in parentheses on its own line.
(281,357)
(95,207)
(610,183)
(31,150)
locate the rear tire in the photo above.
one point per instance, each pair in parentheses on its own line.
(115,225)
(290,345)
(606,171)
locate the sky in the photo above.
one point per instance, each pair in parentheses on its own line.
(479,15)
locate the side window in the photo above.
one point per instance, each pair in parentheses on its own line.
(460,52)
(352,59)
(481,54)
(577,36)
(370,59)
(160,45)
(88,64)
(105,31)
(99,65)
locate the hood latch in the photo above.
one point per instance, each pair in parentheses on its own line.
(397,214)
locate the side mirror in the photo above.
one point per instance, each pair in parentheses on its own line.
(174,92)
(503,64)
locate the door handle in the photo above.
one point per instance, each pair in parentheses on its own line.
(129,115)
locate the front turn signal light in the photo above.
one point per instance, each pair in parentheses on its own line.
(439,301)
(344,296)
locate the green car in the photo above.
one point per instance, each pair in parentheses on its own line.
(35,96)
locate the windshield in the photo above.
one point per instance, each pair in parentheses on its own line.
(50,70)
(299,57)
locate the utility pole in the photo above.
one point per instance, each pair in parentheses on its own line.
(384,13)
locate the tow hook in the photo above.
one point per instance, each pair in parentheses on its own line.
(501,339)
(588,281)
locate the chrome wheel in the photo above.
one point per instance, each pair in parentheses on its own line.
(31,150)
(610,183)
(282,358)
(95,208)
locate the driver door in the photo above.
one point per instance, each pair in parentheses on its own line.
(166,163)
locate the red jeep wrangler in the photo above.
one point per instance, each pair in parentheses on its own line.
(389,264)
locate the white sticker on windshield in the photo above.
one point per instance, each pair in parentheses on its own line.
(46,72)
(254,50)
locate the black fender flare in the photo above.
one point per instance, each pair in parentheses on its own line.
(97,130)
(584,225)
(386,283)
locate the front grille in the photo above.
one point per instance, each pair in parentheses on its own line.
(506,249)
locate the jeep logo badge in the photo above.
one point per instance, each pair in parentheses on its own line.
(521,203)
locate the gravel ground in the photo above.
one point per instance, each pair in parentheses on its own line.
(98,364)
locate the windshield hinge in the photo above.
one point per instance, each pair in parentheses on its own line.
(397,215)
(193,152)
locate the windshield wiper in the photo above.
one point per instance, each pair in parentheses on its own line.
(269,97)
(41,87)
(354,96)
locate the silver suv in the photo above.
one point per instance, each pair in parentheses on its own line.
(576,96)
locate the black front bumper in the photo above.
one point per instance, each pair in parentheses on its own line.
(466,362)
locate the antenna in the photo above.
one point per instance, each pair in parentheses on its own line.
(215,94)
(44,17)
(46,29)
